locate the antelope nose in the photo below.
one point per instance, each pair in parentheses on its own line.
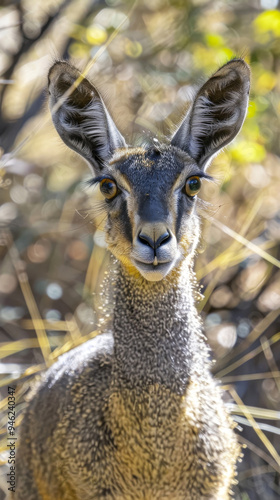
(154,241)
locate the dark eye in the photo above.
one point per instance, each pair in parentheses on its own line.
(108,188)
(193,185)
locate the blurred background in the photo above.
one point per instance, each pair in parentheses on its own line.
(146,59)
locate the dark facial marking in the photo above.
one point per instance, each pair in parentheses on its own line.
(124,217)
(181,212)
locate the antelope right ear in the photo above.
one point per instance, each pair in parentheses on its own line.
(80,116)
(217,113)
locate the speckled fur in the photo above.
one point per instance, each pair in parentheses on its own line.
(137,417)
(135,414)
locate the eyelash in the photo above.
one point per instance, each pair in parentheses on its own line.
(97,180)
(201,175)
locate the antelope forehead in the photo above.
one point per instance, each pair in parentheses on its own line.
(148,169)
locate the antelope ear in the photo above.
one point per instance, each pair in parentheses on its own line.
(217,113)
(81,117)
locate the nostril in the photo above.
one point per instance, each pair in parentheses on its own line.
(164,238)
(146,240)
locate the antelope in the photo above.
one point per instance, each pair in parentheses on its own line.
(135,414)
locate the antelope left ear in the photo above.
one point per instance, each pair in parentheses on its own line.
(217,113)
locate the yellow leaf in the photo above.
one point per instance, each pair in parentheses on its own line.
(268,21)
(265,82)
(246,152)
(214,40)
(96,35)
(252,109)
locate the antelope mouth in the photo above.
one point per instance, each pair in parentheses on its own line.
(154,271)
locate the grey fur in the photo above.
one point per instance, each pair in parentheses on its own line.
(135,414)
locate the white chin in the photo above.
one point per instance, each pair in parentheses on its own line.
(155,273)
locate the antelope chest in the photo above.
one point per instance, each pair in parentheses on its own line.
(169,446)
(155,436)
(152,444)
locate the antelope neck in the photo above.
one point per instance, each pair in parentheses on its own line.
(157,333)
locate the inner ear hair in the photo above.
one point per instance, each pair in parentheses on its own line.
(216,114)
(81,118)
